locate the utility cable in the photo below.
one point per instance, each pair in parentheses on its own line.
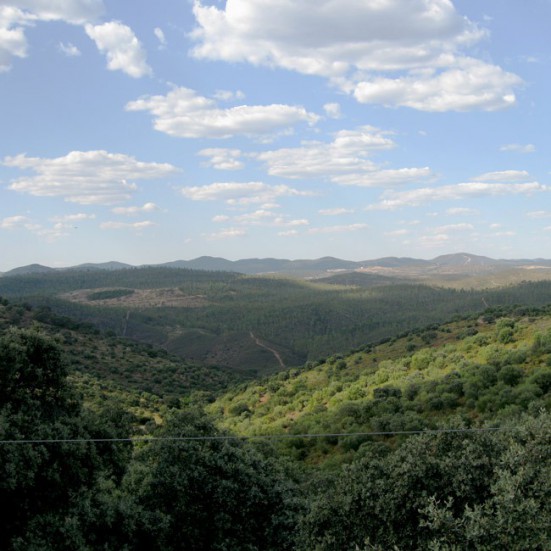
(250,437)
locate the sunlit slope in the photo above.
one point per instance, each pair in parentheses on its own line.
(488,367)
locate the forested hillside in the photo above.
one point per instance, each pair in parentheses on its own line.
(253,324)
(80,475)
(484,368)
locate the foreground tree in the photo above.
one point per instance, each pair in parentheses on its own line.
(489,490)
(44,479)
(211,494)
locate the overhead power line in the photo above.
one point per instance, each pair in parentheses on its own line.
(250,437)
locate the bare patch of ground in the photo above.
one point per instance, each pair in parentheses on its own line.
(140,298)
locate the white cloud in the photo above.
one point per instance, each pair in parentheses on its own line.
(219,218)
(332,110)
(455,227)
(335,211)
(504,176)
(290,233)
(338,229)
(183,113)
(437,240)
(60,228)
(132,211)
(126,225)
(228,95)
(123,50)
(470,84)
(85,177)
(539,214)
(70,50)
(227,233)
(461,211)
(263,217)
(77,12)
(518,148)
(158,32)
(346,153)
(71,218)
(392,199)
(223,159)
(393,52)
(386,178)
(344,161)
(397,233)
(13,222)
(15,15)
(240,193)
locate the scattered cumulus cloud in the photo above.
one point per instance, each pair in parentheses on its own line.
(397,233)
(183,113)
(412,53)
(132,211)
(332,110)
(121,47)
(85,177)
(394,199)
(345,160)
(469,84)
(159,33)
(127,225)
(13,222)
(461,211)
(69,50)
(72,218)
(263,217)
(228,95)
(455,227)
(335,212)
(17,15)
(338,229)
(518,148)
(437,240)
(61,226)
(227,233)
(223,159)
(503,176)
(539,214)
(241,193)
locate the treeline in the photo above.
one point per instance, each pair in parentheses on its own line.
(63,486)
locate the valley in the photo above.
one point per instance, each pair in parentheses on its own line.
(333,406)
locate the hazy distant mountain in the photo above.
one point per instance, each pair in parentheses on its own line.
(102,266)
(395,262)
(457,263)
(464,259)
(30,269)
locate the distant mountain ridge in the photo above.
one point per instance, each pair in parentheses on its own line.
(448,263)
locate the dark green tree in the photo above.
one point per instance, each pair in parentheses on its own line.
(44,479)
(211,495)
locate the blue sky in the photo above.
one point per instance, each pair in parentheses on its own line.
(146,132)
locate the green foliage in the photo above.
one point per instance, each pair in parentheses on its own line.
(222,314)
(386,389)
(209,494)
(447,491)
(43,484)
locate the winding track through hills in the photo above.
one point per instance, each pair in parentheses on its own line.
(274,352)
